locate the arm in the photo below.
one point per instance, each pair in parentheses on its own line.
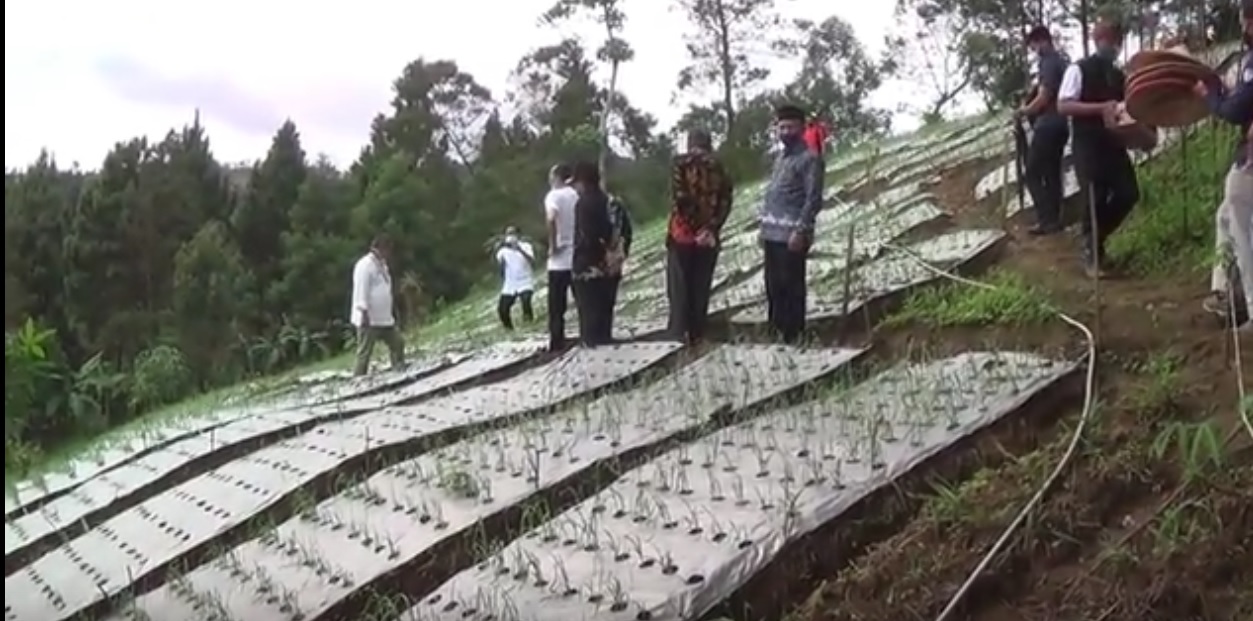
(814,173)
(1068,96)
(1235,107)
(1052,73)
(527,251)
(681,198)
(360,290)
(550,219)
(722,210)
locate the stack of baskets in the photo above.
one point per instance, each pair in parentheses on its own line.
(1161,88)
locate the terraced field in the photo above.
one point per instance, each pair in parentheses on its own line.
(640,481)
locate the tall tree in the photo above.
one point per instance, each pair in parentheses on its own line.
(837,76)
(614,50)
(929,45)
(261,217)
(727,42)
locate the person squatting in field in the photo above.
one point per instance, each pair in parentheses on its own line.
(786,217)
(1049,134)
(515,257)
(1234,219)
(700,201)
(372,312)
(1091,92)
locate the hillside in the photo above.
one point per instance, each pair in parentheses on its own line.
(861,477)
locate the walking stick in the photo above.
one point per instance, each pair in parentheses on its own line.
(1020,160)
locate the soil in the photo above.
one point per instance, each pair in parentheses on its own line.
(1134,530)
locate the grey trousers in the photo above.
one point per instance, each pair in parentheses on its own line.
(368,336)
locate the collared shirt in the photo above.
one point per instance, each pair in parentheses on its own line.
(794,195)
(700,196)
(372,292)
(515,260)
(559,209)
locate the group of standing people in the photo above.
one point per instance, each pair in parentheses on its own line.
(589,235)
(1080,102)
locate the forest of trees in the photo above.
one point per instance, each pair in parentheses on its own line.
(164,272)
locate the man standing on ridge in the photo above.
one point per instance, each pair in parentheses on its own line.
(1090,94)
(622,233)
(372,312)
(592,257)
(700,201)
(515,257)
(559,216)
(1235,215)
(1049,133)
(788,212)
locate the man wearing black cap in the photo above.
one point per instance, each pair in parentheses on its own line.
(793,199)
(1235,214)
(1049,134)
(1090,94)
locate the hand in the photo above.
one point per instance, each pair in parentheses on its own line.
(705,238)
(1111,114)
(1201,88)
(798,242)
(1020,114)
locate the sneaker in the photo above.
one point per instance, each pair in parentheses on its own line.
(1216,303)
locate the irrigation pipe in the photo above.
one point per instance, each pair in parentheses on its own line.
(1089,398)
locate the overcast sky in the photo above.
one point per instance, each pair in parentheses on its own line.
(81,75)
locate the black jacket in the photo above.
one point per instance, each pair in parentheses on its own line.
(593,229)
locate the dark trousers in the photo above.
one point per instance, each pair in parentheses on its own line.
(367,336)
(785,290)
(594,298)
(558,300)
(1043,171)
(504,308)
(689,278)
(1111,190)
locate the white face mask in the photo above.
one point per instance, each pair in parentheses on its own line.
(511,239)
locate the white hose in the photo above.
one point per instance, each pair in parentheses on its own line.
(1089,398)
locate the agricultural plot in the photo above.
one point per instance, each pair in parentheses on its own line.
(83,573)
(136,480)
(671,539)
(312,564)
(28,493)
(890,275)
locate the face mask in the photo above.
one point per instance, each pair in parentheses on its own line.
(790,140)
(511,239)
(1108,52)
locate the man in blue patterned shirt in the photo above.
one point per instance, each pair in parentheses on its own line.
(793,199)
(1235,214)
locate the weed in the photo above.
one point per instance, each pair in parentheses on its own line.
(1172,229)
(1012,302)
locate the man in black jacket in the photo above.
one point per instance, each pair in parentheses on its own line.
(593,272)
(1090,93)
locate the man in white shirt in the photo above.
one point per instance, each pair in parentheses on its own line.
(515,257)
(372,308)
(559,214)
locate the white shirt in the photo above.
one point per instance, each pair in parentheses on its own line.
(517,268)
(1072,84)
(559,208)
(372,292)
